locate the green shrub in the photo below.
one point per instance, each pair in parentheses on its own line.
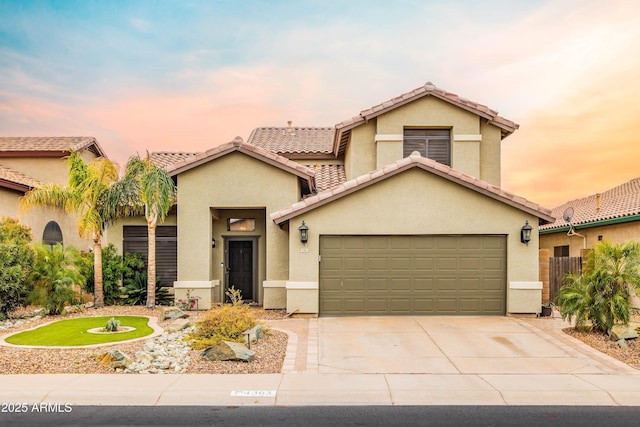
(601,294)
(112,270)
(136,290)
(227,323)
(16,258)
(53,276)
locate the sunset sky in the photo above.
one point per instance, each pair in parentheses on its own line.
(189,75)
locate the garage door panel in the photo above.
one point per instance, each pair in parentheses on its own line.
(446,284)
(355,265)
(377,243)
(423,305)
(378,284)
(423,263)
(492,284)
(400,305)
(423,284)
(362,275)
(354,284)
(354,242)
(399,284)
(446,264)
(471,284)
(377,263)
(399,242)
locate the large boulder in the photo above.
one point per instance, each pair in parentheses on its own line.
(173,313)
(178,325)
(227,350)
(114,359)
(622,332)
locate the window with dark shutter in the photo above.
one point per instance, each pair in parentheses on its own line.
(432,143)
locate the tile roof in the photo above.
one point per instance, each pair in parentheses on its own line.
(414,160)
(328,176)
(293,140)
(251,150)
(167,158)
(429,89)
(57,144)
(617,202)
(10,178)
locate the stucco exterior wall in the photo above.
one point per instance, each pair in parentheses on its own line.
(44,169)
(360,156)
(9,201)
(617,233)
(393,206)
(235,181)
(490,152)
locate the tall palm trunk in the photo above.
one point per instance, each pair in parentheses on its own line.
(151,265)
(98,291)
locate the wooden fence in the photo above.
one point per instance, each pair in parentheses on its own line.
(559,267)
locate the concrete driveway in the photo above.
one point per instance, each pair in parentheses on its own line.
(453,345)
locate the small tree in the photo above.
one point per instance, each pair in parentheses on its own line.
(601,294)
(16,258)
(54,273)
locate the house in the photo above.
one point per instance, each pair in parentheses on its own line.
(397,210)
(613,215)
(28,162)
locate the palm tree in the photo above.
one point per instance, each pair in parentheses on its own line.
(89,193)
(603,293)
(156,193)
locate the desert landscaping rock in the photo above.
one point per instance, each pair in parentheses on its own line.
(622,332)
(270,351)
(173,313)
(227,350)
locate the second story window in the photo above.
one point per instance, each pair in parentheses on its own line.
(432,143)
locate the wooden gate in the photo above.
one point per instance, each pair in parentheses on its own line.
(559,267)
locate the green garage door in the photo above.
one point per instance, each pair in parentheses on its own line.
(383,275)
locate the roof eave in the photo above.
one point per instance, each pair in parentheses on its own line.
(592,224)
(542,217)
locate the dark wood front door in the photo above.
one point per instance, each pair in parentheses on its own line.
(241,264)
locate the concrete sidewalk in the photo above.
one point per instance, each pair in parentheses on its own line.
(587,377)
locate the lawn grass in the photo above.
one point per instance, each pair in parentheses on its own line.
(73,332)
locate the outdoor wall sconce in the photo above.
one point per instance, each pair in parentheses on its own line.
(525,233)
(304,233)
(213,242)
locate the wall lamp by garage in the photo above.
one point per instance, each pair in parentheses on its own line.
(525,233)
(213,242)
(304,233)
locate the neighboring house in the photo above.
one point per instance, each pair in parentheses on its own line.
(26,163)
(613,215)
(395,211)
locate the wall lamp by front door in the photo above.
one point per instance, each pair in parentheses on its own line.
(213,242)
(304,233)
(525,233)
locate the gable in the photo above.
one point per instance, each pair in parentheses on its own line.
(237,180)
(401,166)
(416,201)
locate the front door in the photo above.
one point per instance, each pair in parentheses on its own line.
(241,267)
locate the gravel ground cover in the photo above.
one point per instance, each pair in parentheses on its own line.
(270,351)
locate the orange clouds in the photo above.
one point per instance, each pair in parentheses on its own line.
(577,146)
